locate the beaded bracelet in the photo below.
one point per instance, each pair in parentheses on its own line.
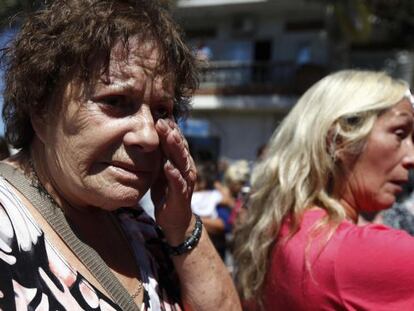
(190,242)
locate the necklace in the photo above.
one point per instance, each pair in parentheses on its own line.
(35,182)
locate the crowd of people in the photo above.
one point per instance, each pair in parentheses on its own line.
(220,201)
(93,92)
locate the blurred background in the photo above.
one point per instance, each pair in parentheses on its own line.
(259,56)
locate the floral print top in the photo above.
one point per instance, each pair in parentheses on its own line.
(34,276)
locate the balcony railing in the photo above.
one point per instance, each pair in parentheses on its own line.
(265,77)
(197,3)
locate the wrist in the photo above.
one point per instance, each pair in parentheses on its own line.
(176,247)
(176,234)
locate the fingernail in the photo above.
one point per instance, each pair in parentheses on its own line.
(171,123)
(162,125)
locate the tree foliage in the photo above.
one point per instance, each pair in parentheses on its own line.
(395,17)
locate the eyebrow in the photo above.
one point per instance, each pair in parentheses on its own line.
(404,117)
(404,114)
(131,89)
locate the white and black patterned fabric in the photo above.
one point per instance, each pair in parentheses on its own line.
(34,276)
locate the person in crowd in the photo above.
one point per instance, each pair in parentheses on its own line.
(92,92)
(222,166)
(234,188)
(345,148)
(205,202)
(206,198)
(203,52)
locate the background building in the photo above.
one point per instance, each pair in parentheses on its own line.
(262,54)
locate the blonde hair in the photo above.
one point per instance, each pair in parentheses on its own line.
(300,168)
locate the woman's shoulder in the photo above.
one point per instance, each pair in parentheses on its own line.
(15,218)
(31,267)
(366,250)
(374,267)
(376,238)
(386,246)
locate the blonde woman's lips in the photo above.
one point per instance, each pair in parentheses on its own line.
(398,184)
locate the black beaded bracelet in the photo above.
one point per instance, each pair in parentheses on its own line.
(190,242)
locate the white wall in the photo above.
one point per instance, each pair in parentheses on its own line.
(241,133)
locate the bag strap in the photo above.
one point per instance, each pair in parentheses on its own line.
(56,219)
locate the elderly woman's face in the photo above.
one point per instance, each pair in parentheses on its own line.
(374,179)
(102,148)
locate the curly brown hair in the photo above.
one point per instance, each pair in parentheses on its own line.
(65,38)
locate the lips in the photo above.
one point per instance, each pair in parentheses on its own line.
(399,184)
(129,167)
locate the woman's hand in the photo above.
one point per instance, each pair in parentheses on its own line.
(172,191)
(205,282)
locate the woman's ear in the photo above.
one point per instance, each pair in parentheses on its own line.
(39,125)
(331,144)
(334,144)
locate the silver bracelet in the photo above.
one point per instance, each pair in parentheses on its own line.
(189,242)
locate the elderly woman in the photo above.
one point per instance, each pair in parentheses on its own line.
(93,89)
(345,148)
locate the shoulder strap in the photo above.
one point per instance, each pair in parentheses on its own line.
(56,219)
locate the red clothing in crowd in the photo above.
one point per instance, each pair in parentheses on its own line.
(359,268)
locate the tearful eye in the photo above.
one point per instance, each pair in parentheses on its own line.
(401,134)
(117,104)
(114,101)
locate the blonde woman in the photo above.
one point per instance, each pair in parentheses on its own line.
(346,147)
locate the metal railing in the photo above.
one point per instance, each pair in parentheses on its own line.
(241,73)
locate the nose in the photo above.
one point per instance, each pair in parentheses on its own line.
(141,131)
(408,160)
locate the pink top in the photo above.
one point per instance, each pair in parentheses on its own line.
(360,268)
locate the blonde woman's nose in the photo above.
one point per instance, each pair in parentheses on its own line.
(408,160)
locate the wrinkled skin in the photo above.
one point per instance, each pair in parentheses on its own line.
(115,138)
(373,180)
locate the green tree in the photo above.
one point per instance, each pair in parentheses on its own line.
(358,19)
